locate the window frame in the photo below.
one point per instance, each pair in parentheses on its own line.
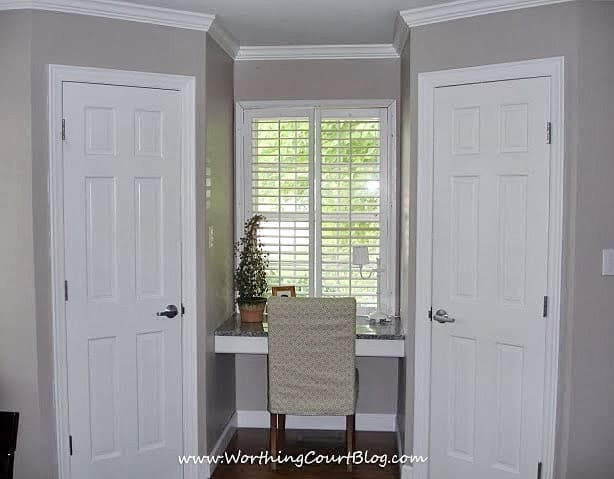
(245,111)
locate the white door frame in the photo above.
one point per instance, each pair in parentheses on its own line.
(427,83)
(185,86)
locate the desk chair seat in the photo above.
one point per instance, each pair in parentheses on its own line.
(9,422)
(312,362)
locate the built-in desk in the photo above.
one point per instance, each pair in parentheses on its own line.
(372,338)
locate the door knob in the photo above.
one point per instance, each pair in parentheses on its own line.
(170,312)
(441,316)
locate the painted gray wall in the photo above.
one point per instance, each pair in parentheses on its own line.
(583,33)
(19,377)
(504,37)
(407,256)
(378,384)
(591,373)
(219,187)
(89,41)
(319,80)
(29,42)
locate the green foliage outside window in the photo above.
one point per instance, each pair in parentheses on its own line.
(348,202)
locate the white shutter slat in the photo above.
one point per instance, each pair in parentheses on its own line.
(350,203)
(280,190)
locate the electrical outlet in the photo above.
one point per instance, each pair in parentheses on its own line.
(607,267)
(211,237)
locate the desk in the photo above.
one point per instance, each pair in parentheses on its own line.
(373,339)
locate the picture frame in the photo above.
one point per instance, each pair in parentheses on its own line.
(284,291)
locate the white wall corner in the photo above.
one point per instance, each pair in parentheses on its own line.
(118,10)
(224,38)
(401,32)
(444,12)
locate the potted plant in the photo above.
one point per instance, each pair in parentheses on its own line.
(250,275)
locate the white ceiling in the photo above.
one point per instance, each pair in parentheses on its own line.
(301,22)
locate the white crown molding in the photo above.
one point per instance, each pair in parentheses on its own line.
(308,52)
(224,39)
(401,32)
(118,10)
(444,12)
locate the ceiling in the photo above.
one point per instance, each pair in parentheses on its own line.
(301,22)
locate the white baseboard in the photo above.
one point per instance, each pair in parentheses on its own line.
(364,422)
(220,446)
(407,471)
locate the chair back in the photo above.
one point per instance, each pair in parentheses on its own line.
(312,362)
(9,422)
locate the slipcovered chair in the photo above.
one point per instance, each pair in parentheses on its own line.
(312,362)
(9,422)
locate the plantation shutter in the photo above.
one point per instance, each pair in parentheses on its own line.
(280,190)
(321,178)
(350,178)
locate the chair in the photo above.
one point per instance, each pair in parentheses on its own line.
(8,442)
(312,363)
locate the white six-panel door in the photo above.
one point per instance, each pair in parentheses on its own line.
(122,227)
(490,251)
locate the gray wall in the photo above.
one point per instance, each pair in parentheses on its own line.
(583,33)
(591,382)
(511,36)
(18,348)
(219,386)
(29,41)
(407,254)
(378,384)
(319,80)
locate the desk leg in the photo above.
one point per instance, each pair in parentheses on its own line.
(273,438)
(282,431)
(350,440)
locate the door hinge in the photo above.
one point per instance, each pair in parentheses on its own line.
(549,133)
(65,290)
(430,313)
(63,129)
(539,470)
(70,445)
(545,311)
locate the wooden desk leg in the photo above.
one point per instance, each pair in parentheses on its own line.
(282,431)
(273,438)
(350,440)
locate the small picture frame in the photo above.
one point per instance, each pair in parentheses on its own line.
(284,291)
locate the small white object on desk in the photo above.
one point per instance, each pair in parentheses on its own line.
(379,316)
(607,268)
(360,258)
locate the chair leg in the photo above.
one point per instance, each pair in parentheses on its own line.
(273,438)
(282,431)
(350,440)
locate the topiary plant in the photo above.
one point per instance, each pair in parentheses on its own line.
(250,274)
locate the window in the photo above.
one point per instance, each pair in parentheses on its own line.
(323,179)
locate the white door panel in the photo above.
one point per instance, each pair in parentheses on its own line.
(490,233)
(121,160)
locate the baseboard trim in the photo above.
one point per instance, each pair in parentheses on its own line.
(220,446)
(407,471)
(364,421)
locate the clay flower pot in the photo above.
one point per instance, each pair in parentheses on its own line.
(252,309)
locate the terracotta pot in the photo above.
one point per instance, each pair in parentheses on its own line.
(252,311)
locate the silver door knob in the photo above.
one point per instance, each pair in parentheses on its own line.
(170,312)
(441,316)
